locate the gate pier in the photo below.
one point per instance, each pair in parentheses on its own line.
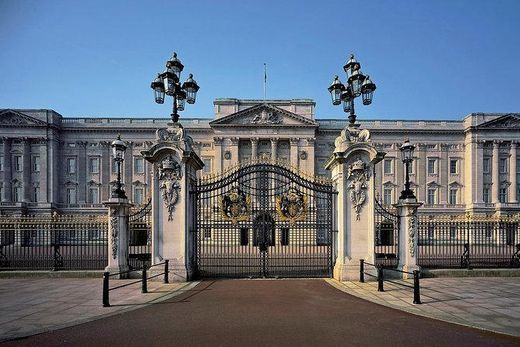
(352,165)
(174,174)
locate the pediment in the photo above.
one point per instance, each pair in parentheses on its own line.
(510,121)
(263,115)
(14,118)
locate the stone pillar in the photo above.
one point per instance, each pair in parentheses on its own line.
(294,151)
(53,162)
(105,167)
(408,235)
(27,169)
(8,171)
(309,150)
(118,212)
(352,165)
(274,145)
(175,167)
(234,151)
(218,154)
(82,172)
(129,168)
(513,172)
(495,176)
(44,182)
(254,148)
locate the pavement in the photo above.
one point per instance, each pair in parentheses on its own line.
(491,304)
(260,312)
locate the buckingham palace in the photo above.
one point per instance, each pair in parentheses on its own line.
(50,162)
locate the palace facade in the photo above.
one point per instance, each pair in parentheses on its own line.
(49,162)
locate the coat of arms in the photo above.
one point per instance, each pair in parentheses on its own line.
(291,206)
(235,206)
(358,176)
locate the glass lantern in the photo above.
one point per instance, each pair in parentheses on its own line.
(336,89)
(191,87)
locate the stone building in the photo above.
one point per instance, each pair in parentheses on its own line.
(50,162)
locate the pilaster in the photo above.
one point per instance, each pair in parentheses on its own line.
(513,172)
(294,152)
(27,169)
(82,171)
(8,171)
(495,176)
(218,154)
(254,148)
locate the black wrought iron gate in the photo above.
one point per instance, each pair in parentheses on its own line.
(264,220)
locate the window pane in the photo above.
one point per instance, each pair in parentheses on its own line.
(453,166)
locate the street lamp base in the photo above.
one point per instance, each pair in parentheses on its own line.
(407,194)
(119,194)
(175,117)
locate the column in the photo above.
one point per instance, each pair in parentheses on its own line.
(254,148)
(408,236)
(44,183)
(294,151)
(495,176)
(82,172)
(420,172)
(274,144)
(118,212)
(105,170)
(310,156)
(513,172)
(27,169)
(218,154)
(8,171)
(53,173)
(234,151)
(129,167)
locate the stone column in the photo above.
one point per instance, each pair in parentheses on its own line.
(495,176)
(27,169)
(234,151)
(44,182)
(294,151)
(105,167)
(513,172)
(352,165)
(129,168)
(408,235)
(309,167)
(218,154)
(54,162)
(82,172)
(254,148)
(274,144)
(8,171)
(118,212)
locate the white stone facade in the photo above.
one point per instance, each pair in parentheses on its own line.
(49,162)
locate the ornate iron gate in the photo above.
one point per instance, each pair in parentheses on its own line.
(264,220)
(386,235)
(139,237)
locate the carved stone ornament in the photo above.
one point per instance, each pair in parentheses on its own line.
(114,236)
(266,117)
(303,155)
(291,206)
(175,133)
(227,155)
(235,206)
(358,175)
(169,175)
(349,135)
(412,231)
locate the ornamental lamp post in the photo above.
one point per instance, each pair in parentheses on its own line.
(407,157)
(168,83)
(118,150)
(357,85)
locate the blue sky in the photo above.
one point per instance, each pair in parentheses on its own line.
(429,59)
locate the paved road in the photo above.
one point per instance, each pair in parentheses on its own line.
(266,313)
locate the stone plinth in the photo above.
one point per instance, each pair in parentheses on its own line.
(118,212)
(408,235)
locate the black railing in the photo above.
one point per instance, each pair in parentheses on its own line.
(144,280)
(468,243)
(140,237)
(381,278)
(386,235)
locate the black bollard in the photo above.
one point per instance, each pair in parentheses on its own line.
(362,270)
(416,288)
(106,300)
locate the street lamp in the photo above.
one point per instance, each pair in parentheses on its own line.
(357,85)
(118,150)
(407,157)
(168,83)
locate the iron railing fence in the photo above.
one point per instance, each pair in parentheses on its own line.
(140,237)
(58,242)
(386,235)
(468,241)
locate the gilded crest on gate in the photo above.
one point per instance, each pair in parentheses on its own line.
(235,206)
(291,206)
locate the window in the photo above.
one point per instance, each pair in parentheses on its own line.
(71,165)
(432,196)
(93,165)
(36,163)
(503,165)
(1,193)
(388,167)
(114,166)
(486,165)
(18,165)
(17,194)
(432,163)
(387,196)
(71,196)
(431,230)
(207,233)
(93,195)
(138,195)
(139,165)
(453,232)
(207,165)
(1,163)
(36,194)
(244,236)
(503,194)
(485,195)
(284,241)
(454,167)
(453,196)
(489,230)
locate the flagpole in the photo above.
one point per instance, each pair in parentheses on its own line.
(265,79)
